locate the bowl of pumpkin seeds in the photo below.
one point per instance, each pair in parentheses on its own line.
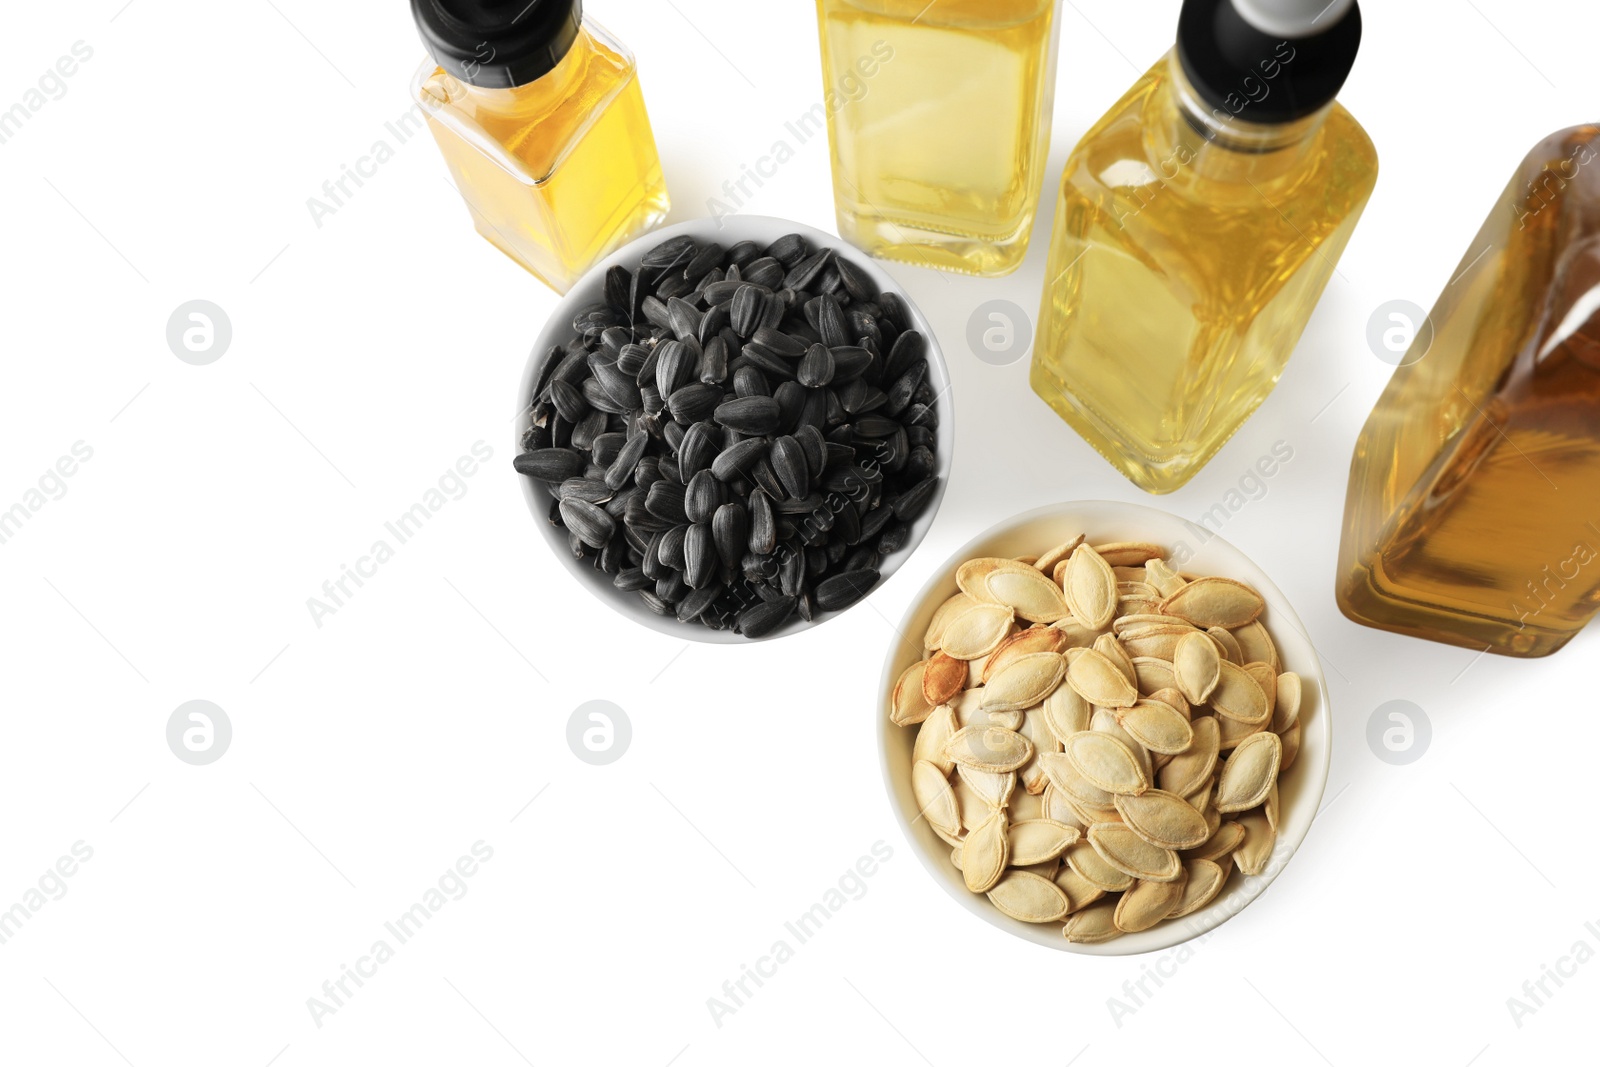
(1105,730)
(732,429)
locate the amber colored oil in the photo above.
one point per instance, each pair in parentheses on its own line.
(1184,267)
(561,171)
(939,117)
(1473,514)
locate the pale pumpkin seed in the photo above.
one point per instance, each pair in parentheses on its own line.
(1197,667)
(1089,865)
(1204,882)
(1046,563)
(1249,773)
(993,788)
(1094,925)
(1163,819)
(1023,643)
(1223,840)
(1106,763)
(1131,854)
(908,706)
(1090,588)
(1191,768)
(1255,851)
(984,853)
(1227,644)
(1129,553)
(1156,726)
(1029,898)
(943,615)
(1039,840)
(1255,645)
(1066,712)
(934,799)
(1209,602)
(1239,697)
(934,733)
(1147,903)
(1287,711)
(1098,680)
(1025,682)
(1033,595)
(1079,890)
(989,748)
(977,631)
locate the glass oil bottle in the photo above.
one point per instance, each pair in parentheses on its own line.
(939,118)
(1473,515)
(541,120)
(1198,223)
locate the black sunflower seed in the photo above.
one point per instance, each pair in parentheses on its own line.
(699,556)
(765,272)
(749,381)
(730,530)
(631,579)
(685,318)
(855,280)
(702,497)
(674,252)
(551,464)
(737,459)
(911,503)
(808,270)
(749,414)
(816,367)
(665,501)
(789,249)
(697,450)
(842,590)
(591,525)
(759,620)
(693,402)
(763,525)
(789,463)
(779,343)
(695,603)
(748,307)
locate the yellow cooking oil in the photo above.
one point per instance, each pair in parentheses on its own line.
(939,120)
(559,172)
(1189,249)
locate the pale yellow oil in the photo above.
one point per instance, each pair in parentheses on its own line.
(1473,516)
(1183,271)
(939,118)
(559,172)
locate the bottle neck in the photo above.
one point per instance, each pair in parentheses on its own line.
(1220,142)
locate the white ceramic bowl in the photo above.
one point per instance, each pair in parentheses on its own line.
(1036,532)
(590,288)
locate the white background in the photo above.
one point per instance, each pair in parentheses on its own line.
(372,752)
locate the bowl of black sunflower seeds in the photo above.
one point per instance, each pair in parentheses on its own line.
(733,429)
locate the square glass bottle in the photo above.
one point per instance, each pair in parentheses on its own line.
(939,118)
(540,118)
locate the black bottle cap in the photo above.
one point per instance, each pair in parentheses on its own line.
(1264,77)
(498,44)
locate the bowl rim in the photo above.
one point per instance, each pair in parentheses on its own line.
(729,229)
(1316,750)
